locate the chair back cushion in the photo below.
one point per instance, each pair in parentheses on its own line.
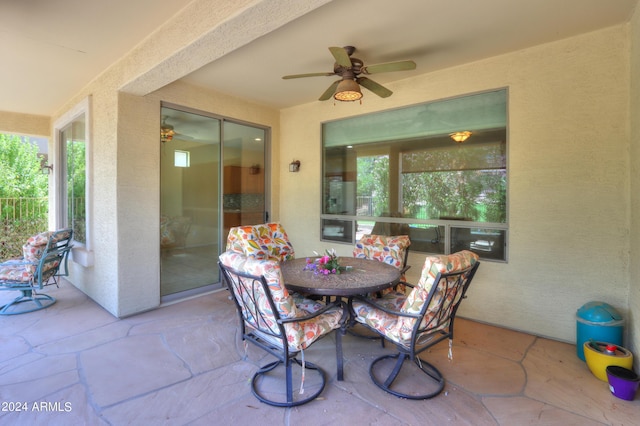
(298,335)
(264,241)
(270,269)
(388,249)
(419,295)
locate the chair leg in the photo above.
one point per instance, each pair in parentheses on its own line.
(339,358)
(290,400)
(434,386)
(41,301)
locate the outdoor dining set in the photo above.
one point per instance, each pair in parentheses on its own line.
(285,304)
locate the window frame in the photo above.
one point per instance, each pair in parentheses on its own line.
(82,253)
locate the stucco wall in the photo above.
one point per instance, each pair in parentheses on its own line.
(568,177)
(138,188)
(25,124)
(124,278)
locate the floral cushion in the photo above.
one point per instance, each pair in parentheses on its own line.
(388,249)
(22,270)
(299,334)
(15,271)
(166,233)
(264,241)
(399,329)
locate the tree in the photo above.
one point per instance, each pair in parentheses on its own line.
(21,181)
(20,175)
(373,181)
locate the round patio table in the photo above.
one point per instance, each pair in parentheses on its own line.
(362,277)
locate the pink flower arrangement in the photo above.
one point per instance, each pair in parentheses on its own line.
(324,265)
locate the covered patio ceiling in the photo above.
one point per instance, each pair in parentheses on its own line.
(51,49)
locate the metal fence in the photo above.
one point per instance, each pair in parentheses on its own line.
(21,218)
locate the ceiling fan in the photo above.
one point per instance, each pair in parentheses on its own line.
(167,131)
(350,70)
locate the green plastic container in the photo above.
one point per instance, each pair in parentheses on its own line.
(598,321)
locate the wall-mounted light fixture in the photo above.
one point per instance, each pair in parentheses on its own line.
(294,166)
(460,137)
(46,168)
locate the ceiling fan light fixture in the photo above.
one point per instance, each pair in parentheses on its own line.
(460,137)
(166,133)
(348,91)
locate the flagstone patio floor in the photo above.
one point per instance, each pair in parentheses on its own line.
(183,364)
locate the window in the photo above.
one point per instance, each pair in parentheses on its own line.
(73,157)
(72,142)
(181,158)
(400,172)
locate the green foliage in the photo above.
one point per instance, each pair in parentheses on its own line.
(76,184)
(16,232)
(25,188)
(20,174)
(373,180)
(476,195)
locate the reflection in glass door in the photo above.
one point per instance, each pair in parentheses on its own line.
(244,175)
(189,201)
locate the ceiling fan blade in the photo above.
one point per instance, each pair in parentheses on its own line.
(330,91)
(376,88)
(388,67)
(313,74)
(341,56)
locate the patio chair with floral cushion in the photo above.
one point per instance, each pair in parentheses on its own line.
(392,250)
(279,323)
(44,260)
(263,241)
(415,322)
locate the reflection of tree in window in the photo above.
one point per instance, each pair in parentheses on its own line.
(373,182)
(467,184)
(75,151)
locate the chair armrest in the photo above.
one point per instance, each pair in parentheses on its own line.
(318,312)
(380,307)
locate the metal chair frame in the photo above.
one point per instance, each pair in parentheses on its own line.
(254,329)
(51,265)
(448,286)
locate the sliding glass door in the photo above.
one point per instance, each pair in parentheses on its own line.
(212,177)
(244,175)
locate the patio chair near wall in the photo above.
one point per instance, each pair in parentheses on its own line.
(264,241)
(44,260)
(281,324)
(416,322)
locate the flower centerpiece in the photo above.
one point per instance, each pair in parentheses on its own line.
(324,265)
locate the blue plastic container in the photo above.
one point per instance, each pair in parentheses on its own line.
(598,321)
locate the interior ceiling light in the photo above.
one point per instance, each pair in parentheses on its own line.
(348,91)
(460,137)
(166,132)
